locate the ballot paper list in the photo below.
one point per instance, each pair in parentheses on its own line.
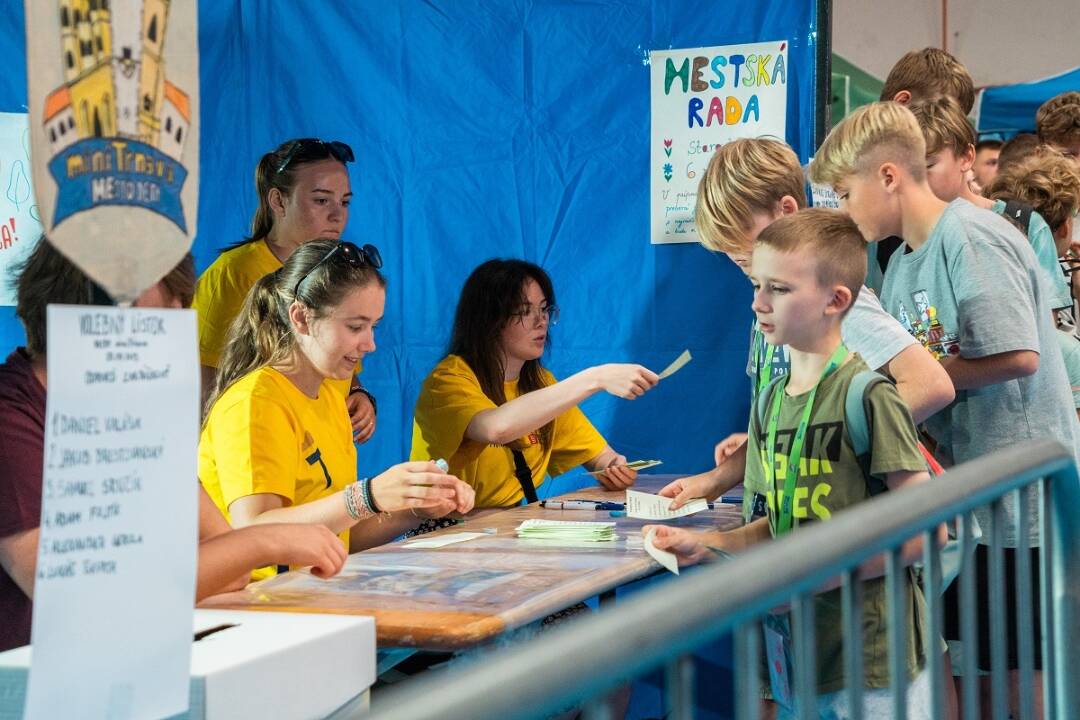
(119,519)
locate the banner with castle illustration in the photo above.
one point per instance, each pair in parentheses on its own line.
(114,108)
(702,98)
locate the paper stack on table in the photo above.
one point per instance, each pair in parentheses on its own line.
(535,529)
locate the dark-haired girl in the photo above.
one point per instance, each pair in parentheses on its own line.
(495,413)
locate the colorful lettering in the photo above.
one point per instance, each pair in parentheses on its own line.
(697,84)
(718,62)
(693,107)
(670,73)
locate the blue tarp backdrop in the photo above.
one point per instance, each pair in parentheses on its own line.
(481,129)
(1010,109)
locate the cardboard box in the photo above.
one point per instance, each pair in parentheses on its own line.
(254,664)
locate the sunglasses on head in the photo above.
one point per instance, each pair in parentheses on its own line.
(337,150)
(347,252)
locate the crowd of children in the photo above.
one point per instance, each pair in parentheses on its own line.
(968,346)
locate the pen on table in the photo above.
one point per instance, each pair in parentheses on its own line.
(580,505)
(602,505)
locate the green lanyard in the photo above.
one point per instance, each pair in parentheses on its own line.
(764,371)
(783,513)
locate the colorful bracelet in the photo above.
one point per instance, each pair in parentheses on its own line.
(356,504)
(369,495)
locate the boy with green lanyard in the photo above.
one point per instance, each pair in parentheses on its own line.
(807,269)
(749,183)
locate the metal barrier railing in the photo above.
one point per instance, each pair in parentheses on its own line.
(579,662)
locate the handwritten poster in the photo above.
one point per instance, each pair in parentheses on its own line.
(113,93)
(115,585)
(19,223)
(701,99)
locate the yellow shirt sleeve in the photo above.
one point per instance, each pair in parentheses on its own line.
(253,445)
(449,399)
(221,291)
(576,442)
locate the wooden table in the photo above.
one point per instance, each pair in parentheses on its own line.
(462,595)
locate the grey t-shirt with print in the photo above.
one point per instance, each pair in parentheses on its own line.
(975,289)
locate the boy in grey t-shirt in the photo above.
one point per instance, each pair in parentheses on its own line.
(967,284)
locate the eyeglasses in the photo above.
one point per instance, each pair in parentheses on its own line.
(532,314)
(354,255)
(337,150)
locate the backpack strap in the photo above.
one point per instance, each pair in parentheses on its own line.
(856,418)
(1020,214)
(761,403)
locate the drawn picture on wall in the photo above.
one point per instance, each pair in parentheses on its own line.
(115,146)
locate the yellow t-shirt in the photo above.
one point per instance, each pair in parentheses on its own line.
(263,435)
(220,294)
(451,396)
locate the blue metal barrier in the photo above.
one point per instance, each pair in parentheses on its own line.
(578,663)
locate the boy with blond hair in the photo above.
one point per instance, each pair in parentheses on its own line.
(950,152)
(967,285)
(1057,123)
(807,270)
(928,73)
(748,184)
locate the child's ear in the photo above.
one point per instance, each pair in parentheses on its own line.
(888,175)
(903,97)
(298,315)
(788,205)
(840,301)
(967,158)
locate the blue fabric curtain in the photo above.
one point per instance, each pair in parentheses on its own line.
(482,129)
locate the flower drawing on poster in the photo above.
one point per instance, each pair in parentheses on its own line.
(702,98)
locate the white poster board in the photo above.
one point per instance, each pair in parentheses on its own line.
(115,585)
(701,99)
(20,227)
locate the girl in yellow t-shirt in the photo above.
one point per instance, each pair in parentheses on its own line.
(275,446)
(304,194)
(493,411)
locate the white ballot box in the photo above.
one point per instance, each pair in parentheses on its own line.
(254,664)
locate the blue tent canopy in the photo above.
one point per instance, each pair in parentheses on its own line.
(1010,109)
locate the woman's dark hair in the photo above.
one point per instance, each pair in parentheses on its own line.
(47,277)
(262,334)
(296,153)
(492,294)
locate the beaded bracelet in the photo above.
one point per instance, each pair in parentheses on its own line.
(356,504)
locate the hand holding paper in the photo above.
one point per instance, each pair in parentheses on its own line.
(654,507)
(636,465)
(677,365)
(684,546)
(663,557)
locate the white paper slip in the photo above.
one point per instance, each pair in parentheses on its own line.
(677,365)
(647,506)
(638,465)
(665,558)
(438,542)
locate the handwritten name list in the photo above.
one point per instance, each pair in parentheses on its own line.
(116,558)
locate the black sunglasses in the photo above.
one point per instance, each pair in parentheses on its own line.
(337,150)
(354,255)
